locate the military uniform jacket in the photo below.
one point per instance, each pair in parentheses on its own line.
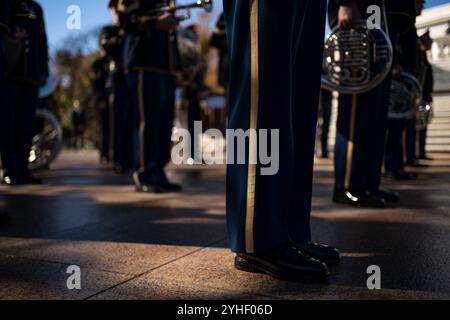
(112,40)
(147,47)
(32,67)
(99,76)
(8,8)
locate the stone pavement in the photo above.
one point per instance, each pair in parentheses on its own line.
(139,246)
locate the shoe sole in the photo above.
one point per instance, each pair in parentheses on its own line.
(245,265)
(349,203)
(151,190)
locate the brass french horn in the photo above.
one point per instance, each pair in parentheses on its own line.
(357,60)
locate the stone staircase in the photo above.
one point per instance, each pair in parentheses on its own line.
(439,130)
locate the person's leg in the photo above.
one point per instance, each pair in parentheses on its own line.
(153,97)
(423,143)
(120,118)
(359,147)
(391,146)
(326,117)
(4,217)
(134,123)
(9,114)
(268,69)
(394,162)
(25,126)
(166,113)
(268,209)
(410,143)
(194,114)
(104,120)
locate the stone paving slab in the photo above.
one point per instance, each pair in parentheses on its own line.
(41,280)
(139,246)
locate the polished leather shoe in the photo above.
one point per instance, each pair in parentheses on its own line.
(359,199)
(326,254)
(32,180)
(170,187)
(417,164)
(287,263)
(146,186)
(11,181)
(401,175)
(387,195)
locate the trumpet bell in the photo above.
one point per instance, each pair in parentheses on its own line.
(356,60)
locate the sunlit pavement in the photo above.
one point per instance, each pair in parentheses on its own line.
(138,246)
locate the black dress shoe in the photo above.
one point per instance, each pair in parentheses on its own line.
(387,195)
(11,181)
(170,187)
(401,175)
(287,263)
(359,199)
(326,254)
(417,165)
(163,181)
(32,180)
(426,158)
(148,185)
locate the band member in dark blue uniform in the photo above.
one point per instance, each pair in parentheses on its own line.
(19,108)
(7,11)
(361,129)
(219,41)
(427,79)
(275,84)
(401,132)
(122,118)
(192,80)
(412,124)
(99,77)
(151,63)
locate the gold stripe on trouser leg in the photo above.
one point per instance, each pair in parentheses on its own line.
(254,106)
(350,144)
(142,119)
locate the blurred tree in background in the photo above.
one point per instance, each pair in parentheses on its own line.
(73,64)
(73,61)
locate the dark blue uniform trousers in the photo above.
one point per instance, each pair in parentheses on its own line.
(360,139)
(153,96)
(18,111)
(394,160)
(327,99)
(105,119)
(276,50)
(123,128)
(411,141)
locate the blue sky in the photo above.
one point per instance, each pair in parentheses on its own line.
(94,15)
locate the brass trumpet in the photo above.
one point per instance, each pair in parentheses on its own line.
(206,5)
